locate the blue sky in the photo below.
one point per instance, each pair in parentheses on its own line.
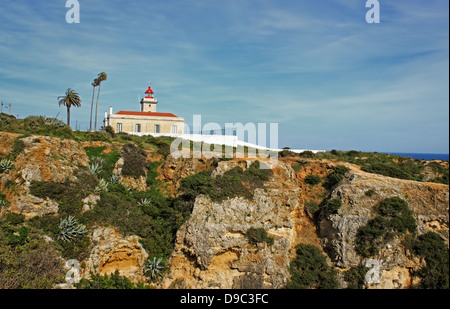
(329,79)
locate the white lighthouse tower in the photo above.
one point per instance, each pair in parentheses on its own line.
(148,103)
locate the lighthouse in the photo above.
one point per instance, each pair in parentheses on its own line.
(147,120)
(148,103)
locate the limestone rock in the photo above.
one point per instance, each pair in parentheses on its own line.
(212,250)
(112,251)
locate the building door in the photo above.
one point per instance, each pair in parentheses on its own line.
(119,128)
(156,128)
(174,129)
(138,127)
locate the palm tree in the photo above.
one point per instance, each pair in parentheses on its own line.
(101,77)
(94,84)
(72,98)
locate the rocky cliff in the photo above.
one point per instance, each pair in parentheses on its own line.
(211,245)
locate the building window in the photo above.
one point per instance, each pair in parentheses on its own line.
(119,128)
(138,127)
(174,129)
(156,128)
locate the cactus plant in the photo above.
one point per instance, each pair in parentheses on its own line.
(153,267)
(70,229)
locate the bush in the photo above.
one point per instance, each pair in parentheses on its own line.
(313,180)
(436,254)
(26,260)
(335,177)
(397,211)
(135,161)
(332,206)
(68,195)
(113,281)
(394,218)
(355,277)
(309,270)
(235,182)
(258,235)
(306,154)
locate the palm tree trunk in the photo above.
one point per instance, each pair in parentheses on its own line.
(96,106)
(92,106)
(68,115)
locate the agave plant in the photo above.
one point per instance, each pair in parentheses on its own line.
(114,178)
(54,122)
(5,165)
(70,229)
(153,267)
(95,167)
(102,186)
(144,201)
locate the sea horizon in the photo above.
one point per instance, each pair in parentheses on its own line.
(422,156)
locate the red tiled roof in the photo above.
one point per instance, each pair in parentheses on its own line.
(145,114)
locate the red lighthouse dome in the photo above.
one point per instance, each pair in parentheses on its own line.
(149,92)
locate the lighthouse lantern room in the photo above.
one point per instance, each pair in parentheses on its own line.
(148,103)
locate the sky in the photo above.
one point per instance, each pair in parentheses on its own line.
(317,68)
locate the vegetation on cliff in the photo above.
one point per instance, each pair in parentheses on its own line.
(310,270)
(118,187)
(383,164)
(235,182)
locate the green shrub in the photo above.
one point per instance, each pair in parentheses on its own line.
(155,222)
(394,218)
(152,173)
(371,236)
(312,207)
(258,235)
(68,195)
(335,177)
(310,270)
(26,260)
(369,193)
(113,281)
(355,277)
(313,180)
(235,182)
(332,206)
(135,161)
(17,149)
(434,275)
(307,154)
(397,211)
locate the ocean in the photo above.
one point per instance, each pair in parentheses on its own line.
(423,156)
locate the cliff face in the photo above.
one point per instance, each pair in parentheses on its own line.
(212,248)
